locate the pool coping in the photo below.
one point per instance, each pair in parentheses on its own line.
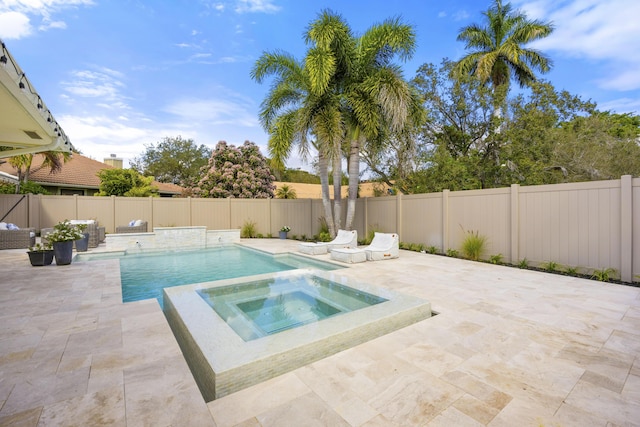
(223,363)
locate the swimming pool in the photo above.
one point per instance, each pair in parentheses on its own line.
(144,274)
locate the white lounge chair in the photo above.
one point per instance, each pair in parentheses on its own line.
(383,246)
(344,239)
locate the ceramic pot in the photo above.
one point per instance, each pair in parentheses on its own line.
(82,244)
(283,235)
(40,258)
(63,252)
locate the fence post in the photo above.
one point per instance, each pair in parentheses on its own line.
(399,214)
(75,206)
(151,210)
(626,228)
(113,213)
(445,220)
(366,217)
(515,223)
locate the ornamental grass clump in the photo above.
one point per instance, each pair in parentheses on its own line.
(248,230)
(473,245)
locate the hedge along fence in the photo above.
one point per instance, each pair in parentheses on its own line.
(592,225)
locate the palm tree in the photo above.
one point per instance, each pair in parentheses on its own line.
(498,53)
(346,94)
(52,160)
(378,102)
(286,192)
(296,109)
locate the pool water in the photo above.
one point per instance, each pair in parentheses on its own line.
(143,276)
(265,307)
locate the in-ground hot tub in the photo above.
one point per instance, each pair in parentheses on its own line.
(278,322)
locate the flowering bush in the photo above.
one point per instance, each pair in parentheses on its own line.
(64,231)
(240,172)
(285,228)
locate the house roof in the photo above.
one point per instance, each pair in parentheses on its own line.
(79,171)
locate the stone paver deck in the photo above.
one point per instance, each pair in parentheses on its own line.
(509,347)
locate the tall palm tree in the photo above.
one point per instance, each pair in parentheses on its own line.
(377,100)
(345,94)
(498,53)
(297,111)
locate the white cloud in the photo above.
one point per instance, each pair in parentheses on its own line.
(14,25)
(442,14)
(102,83)
(213,111)
(58,25)
(16,16)
(603,31)
(622,105)
(460,15)
(253,6)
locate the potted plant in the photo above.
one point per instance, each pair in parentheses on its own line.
(62,237)
(40,254)
(82,244)
(284,230)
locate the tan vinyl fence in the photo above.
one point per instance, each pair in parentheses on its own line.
(592,225)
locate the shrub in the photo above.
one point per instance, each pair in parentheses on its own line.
(571,271)
(453,253)
(550,266)
(603,275)
(496,259)
(432,249)
(524,263)
(473,245)
(324,236)
(248,229)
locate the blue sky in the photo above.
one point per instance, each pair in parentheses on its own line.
(120,74)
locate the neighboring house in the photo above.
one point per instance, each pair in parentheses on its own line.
(79,176)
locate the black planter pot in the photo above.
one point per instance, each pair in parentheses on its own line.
(63,252)
(82,244)
(40,258)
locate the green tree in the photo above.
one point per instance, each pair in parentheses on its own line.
(296,175)
(28,187)
(239,172)
(125,182)
(174,160)
(498,53)
(458,144)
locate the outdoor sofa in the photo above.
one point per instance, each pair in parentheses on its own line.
(137,226)
(17,239)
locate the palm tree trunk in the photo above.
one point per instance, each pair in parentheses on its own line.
(337,192)
(354,180)
(323,166)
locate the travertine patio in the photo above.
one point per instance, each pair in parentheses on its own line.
(508,347)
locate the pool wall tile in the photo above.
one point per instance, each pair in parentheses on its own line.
(172,238)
